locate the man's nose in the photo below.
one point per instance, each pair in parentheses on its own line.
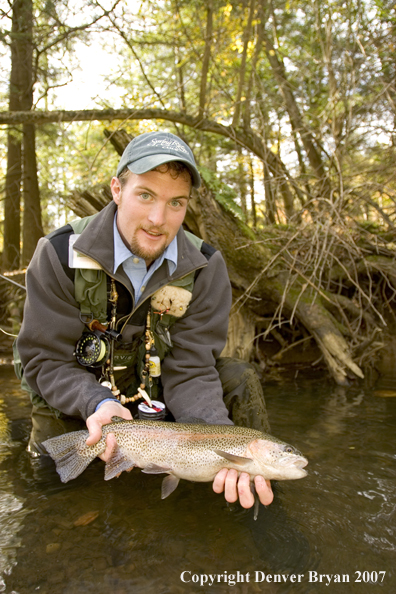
(157,214)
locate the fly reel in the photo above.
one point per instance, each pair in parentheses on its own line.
(92,350)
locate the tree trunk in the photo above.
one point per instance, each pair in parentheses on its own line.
(247,35)
(12,205)
(32,225)
(246,262)
(270,203)
(296,118)
(21,157)
(206,59)
(252,194)
(241,183)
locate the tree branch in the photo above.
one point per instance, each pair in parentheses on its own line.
(242,72)
(247,139)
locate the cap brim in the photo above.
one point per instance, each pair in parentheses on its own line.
(146,164)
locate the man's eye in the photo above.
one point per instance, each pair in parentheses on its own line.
(176,203)
(145,196)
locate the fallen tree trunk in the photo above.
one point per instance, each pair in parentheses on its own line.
(253,277)
(285,283)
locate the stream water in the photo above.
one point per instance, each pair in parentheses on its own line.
(337,526)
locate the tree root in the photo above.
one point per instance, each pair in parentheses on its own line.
(336,352)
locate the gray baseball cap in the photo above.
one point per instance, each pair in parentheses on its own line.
(147,151)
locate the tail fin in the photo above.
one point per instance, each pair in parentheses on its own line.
(70,454)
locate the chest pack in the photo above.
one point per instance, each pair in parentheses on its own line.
(91,284)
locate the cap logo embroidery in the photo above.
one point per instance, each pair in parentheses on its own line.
(169,144)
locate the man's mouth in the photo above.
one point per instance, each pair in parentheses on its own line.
(152,233)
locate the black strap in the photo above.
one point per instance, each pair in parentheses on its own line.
(207,250)
(60,242)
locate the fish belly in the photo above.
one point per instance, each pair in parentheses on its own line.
(186,459)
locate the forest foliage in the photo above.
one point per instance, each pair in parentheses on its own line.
(289,107)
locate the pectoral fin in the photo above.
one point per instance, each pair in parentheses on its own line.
(117,464)
(155,469)
(238,460)
(169,484)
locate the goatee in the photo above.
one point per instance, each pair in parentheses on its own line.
(145,254)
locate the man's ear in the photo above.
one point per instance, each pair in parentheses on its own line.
(115,187)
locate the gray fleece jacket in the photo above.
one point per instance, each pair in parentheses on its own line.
(52,326)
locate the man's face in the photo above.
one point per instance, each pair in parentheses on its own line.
(151,209)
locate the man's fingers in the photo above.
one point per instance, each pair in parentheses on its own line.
(226,480)
(263,490)
(246,497)
(230,487)
(239,488)
(103,416)
(111,444)
(95,430)
(219,480)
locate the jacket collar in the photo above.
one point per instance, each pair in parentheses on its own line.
(97,242)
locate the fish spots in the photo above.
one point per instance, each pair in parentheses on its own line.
(183,450)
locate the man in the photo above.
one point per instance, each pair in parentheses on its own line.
(127,285)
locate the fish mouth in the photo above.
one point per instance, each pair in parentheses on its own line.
(301,462)
(291,460)
(298,466)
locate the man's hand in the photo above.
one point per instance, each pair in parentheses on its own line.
(102,417)
(227,480)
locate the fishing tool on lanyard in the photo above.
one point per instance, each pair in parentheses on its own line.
(151,366)
(109,371)
(96,349)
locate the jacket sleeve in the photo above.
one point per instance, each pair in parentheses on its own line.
(50,329)
(192,387)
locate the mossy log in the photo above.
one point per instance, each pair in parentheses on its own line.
(290,285)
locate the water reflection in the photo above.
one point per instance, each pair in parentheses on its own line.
(95,536)
(12,511)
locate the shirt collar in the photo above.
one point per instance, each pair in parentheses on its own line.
(122,252)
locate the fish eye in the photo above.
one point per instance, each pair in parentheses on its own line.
(289,449)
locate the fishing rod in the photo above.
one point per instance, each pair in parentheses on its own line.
(13,282)
(21,287)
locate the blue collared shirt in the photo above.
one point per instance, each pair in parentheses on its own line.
(135,268)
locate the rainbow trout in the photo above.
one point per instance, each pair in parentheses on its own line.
(188,451)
